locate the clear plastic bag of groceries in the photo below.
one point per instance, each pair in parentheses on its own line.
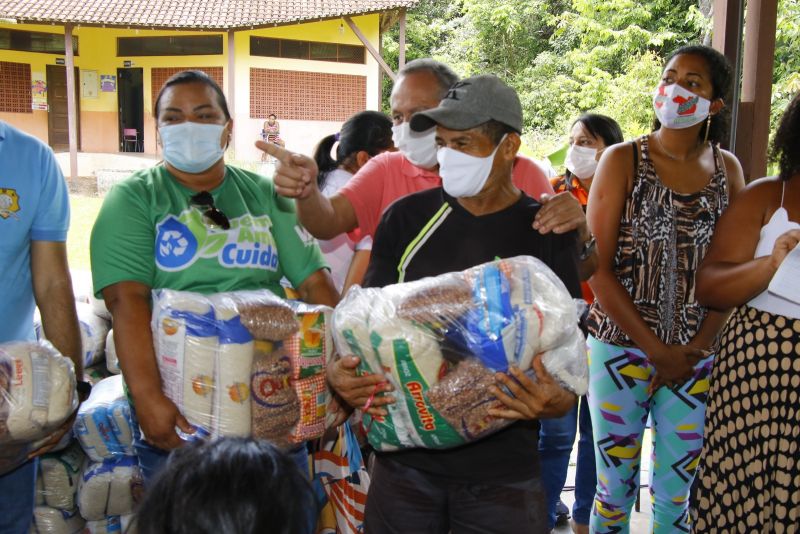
(37,395)
(440,340)
(103,425)
(244,363)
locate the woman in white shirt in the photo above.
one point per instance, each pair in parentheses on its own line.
(748,472)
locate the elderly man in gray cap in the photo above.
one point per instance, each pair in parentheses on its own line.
(478,215)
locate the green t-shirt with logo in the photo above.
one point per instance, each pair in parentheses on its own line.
(148,232)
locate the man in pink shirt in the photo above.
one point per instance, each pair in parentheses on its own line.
(420,86)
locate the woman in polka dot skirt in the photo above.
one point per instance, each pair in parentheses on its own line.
(748,479)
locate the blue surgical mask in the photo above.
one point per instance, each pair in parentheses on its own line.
(192,147)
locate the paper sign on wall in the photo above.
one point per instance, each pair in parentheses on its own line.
(89,83)
(108,83)
(38,91)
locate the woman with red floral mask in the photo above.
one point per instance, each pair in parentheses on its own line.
(653,207)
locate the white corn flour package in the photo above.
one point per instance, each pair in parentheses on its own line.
(114,524)
(94,330)
(112,362)
(103,424)
(106,488)
(440,340)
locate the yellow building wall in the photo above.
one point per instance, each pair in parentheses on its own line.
(98,52)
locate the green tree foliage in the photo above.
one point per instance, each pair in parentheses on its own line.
(567,57)
(786,77)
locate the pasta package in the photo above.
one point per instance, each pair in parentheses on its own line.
(244,363)
(440,340)
(37,395)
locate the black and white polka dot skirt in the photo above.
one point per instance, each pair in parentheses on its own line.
(748,478)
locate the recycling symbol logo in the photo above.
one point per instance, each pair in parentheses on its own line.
(176,245)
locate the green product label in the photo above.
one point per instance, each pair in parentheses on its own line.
(356,348)
(381,429)
(435,432)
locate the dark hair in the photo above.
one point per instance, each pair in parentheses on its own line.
(721,84)
(272,115)
(228,485)
(602,127)
(444,74)
(495,130)
(370,131)
(192,76)
(785,150)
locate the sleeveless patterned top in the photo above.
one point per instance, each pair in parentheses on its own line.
(663,237)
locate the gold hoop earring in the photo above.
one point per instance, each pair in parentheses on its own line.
(708,127)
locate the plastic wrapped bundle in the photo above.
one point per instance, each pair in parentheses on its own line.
(440,340)
(48,520)
(244,363)
(39,500)
(94,330)
(37,395)
(59,474)
(99,307)
(186,342)
(95,373)
(115,524)
(106,488)
(103,425)
(112,362)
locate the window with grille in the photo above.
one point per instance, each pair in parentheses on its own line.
(313,96)
(15,86)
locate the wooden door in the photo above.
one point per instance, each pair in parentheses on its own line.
(57,118)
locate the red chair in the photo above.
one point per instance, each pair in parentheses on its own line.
(130,135)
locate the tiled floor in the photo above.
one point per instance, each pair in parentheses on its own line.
(640,521)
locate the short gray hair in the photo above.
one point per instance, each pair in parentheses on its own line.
(444,74)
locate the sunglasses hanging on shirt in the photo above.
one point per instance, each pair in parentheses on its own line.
(203,199)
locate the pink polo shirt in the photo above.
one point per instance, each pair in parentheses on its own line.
(389,176)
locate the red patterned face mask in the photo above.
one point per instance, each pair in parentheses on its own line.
(679,108)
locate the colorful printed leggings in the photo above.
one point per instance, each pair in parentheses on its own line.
(619,403)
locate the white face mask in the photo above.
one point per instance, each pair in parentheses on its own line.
(679,108)
(418,147)
(580,161)
(192,147)
(464,175)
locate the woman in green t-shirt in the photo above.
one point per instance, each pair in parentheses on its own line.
(192,223)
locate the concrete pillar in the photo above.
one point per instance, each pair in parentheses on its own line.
(231,96)
(72,110)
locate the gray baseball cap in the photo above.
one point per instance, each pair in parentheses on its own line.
(472,102)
